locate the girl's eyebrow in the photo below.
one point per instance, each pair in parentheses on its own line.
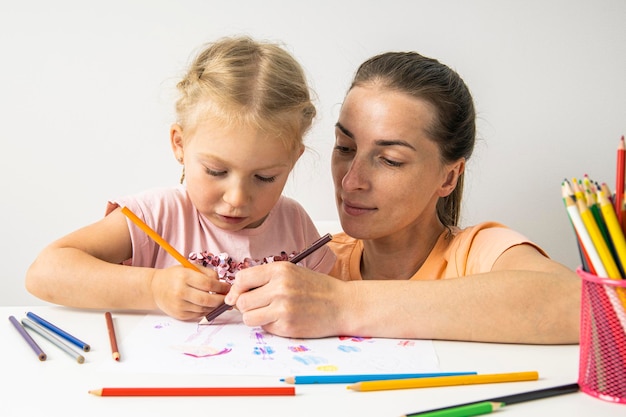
(380,142)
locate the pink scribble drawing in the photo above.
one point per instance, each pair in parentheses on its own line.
(221,352)
(406,343)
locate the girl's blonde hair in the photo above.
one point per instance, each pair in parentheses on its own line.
(241,81)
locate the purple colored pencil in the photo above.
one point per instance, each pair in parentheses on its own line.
(314,246)
(31,342)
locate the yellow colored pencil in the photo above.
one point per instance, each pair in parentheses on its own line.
(598,241)
(444,381)
(612,223)
(158,239)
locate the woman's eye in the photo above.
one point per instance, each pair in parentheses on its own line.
(342,149)
(391,162)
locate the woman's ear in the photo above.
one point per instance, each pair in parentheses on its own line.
(176,141)
(453,172)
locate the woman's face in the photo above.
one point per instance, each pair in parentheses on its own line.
(388,174)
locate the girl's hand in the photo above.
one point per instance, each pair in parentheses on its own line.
(186,294)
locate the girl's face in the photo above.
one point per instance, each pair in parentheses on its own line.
(388,174)
(234,174)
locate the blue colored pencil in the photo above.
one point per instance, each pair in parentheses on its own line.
(353,378)
(84,346)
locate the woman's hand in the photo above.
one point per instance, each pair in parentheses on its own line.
(186,294)
(288,300)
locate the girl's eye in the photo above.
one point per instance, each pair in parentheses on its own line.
(266,179)
(215,173)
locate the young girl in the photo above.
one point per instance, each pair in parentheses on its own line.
(243,110)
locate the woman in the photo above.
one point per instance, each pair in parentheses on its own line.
(405,269)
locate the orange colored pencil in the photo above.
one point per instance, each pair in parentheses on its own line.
(193,391)
(112,338)
(158,239)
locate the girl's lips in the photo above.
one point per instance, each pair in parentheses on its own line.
(231,220)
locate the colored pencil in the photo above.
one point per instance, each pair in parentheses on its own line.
(158,239)
(598,241)
(306,252)
(52,338)
(469,410)
(31,342)
(193,391)
(444,381)
(59,332)
(615,230)
(112,338)
(619,178)
(515,398)
(347,379)
(583,236)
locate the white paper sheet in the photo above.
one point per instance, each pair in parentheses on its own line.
(228,347)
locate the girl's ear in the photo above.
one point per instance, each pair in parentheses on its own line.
(176,141)
(453,172)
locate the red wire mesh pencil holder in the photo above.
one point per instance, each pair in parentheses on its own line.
(602,366)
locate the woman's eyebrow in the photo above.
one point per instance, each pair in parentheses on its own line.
(380,142)
(344,130)
(394,142)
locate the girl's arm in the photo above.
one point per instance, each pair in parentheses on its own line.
(83,270)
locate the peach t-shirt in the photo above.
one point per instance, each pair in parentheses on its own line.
(457,253)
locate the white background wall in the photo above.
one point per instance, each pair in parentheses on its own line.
(86,99)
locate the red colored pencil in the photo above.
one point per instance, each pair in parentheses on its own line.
(619,178)
(192,391)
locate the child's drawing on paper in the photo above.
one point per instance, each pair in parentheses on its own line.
(229,347)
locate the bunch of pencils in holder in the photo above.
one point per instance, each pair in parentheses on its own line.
(598,217)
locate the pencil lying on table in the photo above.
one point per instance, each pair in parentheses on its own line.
(509,399)
(443,381)
(52,338)
(352,378)
(59,332)
(31,342)
(112,338)
(193,391)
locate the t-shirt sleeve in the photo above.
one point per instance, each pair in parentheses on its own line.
(486,245)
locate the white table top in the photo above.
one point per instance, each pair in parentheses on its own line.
(59,384)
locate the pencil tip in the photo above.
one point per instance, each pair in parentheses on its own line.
(497,406)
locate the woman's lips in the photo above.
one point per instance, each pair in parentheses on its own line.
(354,209)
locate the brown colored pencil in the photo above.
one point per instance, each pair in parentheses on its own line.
(112,338)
